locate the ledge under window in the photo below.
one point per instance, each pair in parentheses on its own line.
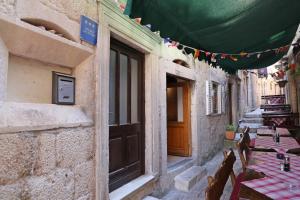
(18,117)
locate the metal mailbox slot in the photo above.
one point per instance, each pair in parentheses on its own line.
(63,89)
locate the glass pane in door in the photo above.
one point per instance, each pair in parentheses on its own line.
(134,91)
(112,87)
(179,104)
(175,104)
(123,88)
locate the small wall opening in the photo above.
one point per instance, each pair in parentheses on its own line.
(50,27)
(181,62)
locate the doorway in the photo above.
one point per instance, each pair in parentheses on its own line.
(178,119)
(126,115)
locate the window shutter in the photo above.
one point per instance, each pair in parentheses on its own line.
(220,99)
(223,99)
(208,98)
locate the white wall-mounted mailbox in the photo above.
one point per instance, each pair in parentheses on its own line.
(63,89)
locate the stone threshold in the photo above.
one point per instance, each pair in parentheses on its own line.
(131,187)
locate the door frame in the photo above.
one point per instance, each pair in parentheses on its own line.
(173,69)
(187,114)
(147,42)
(127,50)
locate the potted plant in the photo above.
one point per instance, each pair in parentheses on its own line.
(230,134)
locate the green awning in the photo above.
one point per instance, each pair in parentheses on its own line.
(224,26)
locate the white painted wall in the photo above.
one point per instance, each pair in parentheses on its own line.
(30,81)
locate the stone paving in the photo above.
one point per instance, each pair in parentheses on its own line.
(198,191)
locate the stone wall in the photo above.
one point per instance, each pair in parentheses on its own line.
(3,69)
(210,129)
(8,7)
(54,164)
(49,163)
(73,8)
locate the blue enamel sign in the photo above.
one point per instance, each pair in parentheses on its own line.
(88,30)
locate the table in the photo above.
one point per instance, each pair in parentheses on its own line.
(285,144)
(283,132)
(282,119)
(267,163)
(277,184)
(273,189)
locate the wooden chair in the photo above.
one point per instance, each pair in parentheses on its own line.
(251,142)
(217,183)
(243,151)
(247,136)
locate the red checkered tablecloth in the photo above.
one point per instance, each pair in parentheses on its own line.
(283,131)
(279,121)
(265,131)
(277,100)
(270,157)
(270,166)
(272,169)
(285,144)
(274,188)
(269,132)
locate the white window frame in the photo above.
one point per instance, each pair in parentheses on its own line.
(221,98)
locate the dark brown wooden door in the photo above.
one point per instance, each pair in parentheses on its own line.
(126,115)
(178,115)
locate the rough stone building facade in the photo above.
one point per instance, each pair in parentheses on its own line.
(52,151)
(292,89)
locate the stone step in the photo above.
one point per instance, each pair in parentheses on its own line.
(251,125)
(238,136)
(187,179)
(253,120)
(150,198)
(252,130)
(252,115)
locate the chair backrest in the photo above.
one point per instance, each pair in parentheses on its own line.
(243,150)
(247,136)
(217,183)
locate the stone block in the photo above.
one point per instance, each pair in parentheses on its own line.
(57,185)
(86,197)
(10,192)
(7,7)
(73,9)
(84,179)
(187,179)
(46,159)
(150,198)
(18,154)
(3,70)
(74,146)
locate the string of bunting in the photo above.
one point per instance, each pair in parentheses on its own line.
(211,57)
(231,56)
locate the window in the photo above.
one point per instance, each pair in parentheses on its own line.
(214,98)
(238,96)
(175,104)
